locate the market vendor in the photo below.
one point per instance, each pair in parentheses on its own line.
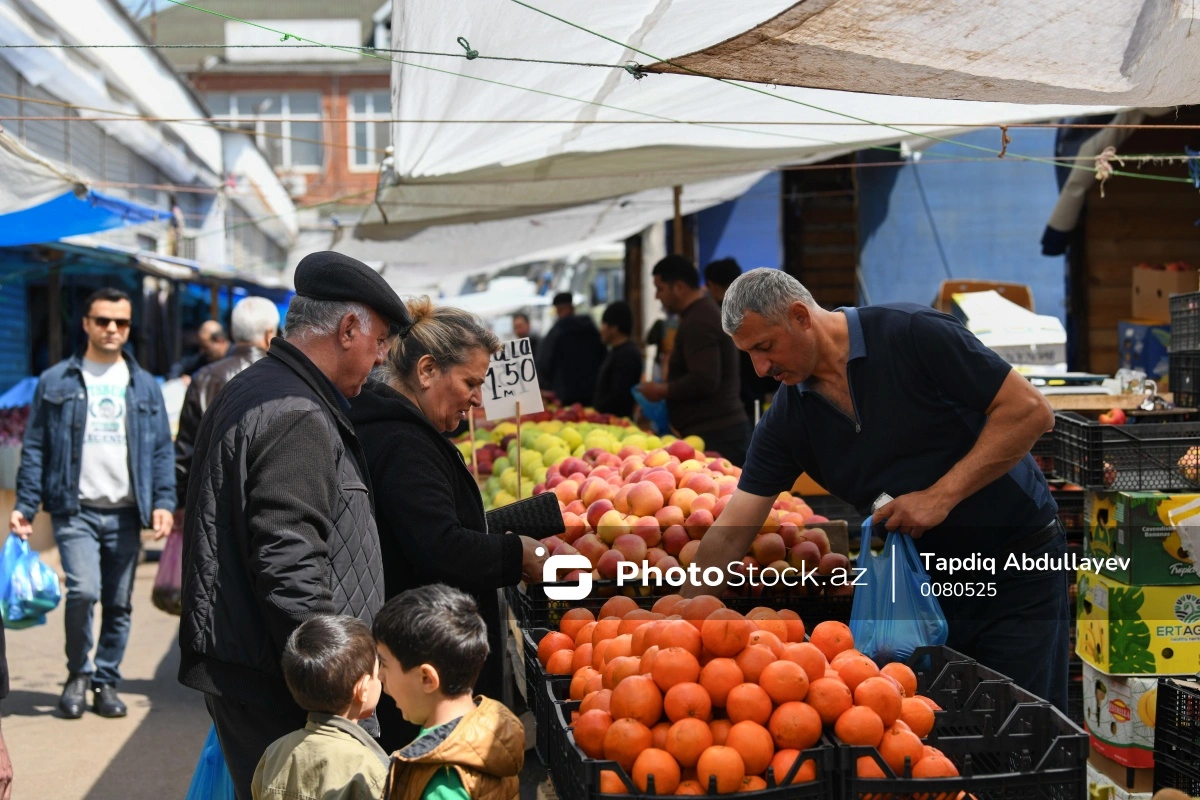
(904,400)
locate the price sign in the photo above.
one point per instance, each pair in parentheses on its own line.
(512,378)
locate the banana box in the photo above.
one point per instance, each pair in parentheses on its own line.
(1123,778)
(1134,534)
(1102,787)
(1119,716)
(1126,629)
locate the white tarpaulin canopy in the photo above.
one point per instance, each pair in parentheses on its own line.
(1116,52)
(492,157)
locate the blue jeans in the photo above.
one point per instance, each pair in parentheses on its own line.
(99,551)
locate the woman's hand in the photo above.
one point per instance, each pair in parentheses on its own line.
(531,562)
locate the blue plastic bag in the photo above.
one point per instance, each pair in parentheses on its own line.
(894,611)
(30,588)
(211,779)
(655,412)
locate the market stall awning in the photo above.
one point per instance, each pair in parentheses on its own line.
(1113,52)
(41,202)
(478,140)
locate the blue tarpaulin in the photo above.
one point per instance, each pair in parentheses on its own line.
(70,215)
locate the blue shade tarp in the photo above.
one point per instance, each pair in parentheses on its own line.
(20,394)
(71,215)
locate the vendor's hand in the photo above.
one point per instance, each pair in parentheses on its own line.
(531,562)
(19,525)
(163,520)
(914,513)
(653,391)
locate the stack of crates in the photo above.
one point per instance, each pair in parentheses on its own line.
(1184,369)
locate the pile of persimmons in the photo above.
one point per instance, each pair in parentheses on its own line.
(691,691)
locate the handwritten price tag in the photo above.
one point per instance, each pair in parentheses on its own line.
(512,377)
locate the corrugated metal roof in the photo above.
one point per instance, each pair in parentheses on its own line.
(180,25)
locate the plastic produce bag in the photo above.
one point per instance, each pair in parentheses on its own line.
(894,611)
(167,592)
(654,411)
(30,588)
(211,779)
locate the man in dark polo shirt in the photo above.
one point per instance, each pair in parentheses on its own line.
(902,399)
(703,382)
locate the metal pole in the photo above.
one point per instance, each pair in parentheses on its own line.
(677,243)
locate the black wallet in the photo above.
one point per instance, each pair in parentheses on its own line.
(536,517)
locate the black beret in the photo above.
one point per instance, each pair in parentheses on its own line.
(332,276)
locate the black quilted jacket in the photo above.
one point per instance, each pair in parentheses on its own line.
(279,527)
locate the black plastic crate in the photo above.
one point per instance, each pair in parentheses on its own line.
(1131,457)
(577,777)
(1185,323)
(1071,512)
(833,508)
(1184,372)
(1043,452)
(537,691)
(532,609)
(1036,753)
(1172,774)
(1177,722)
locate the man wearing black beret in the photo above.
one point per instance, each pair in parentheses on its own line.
(279,523)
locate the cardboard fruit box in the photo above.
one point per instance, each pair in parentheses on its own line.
(1136,526)
(1118,713)
(1127,629)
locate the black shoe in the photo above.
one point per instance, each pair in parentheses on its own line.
(74,696)
(107,703)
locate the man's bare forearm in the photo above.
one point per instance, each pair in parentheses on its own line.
(730,538)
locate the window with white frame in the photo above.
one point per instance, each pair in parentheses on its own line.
(286,125)
(370,127)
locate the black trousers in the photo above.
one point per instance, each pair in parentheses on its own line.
(246,731)
(731,442)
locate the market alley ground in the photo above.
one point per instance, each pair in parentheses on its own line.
(148,755)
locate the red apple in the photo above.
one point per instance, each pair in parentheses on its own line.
(663,480)
(818,537)
(598,509)
(567,491)
(674,538)
(768,547)
(577,508)
(720,506)
(575,527)
(611,525)
(645,499)
(832,561)
(654,555)
(608,563)
(590,546)
(647,528)
(698,523)
(621,498)
(1114,416)
(804,555)
(681,450)
(688,554)
(632,547)
(670,515)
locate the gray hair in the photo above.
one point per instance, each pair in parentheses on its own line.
(252,317)
(766,292)
(307,317)
(444,333)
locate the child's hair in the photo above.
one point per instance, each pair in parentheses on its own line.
(439,626)
(324,658)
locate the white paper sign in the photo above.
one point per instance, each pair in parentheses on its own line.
(512,377)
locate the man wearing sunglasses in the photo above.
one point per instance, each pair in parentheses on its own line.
(98,457)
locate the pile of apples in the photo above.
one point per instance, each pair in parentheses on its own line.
(656,506)
(691,693)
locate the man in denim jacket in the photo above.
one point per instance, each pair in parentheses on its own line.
(98,457)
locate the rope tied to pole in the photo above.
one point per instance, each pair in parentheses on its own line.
(1104,167)
(1005,141)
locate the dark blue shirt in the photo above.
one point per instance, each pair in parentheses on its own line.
(921,384)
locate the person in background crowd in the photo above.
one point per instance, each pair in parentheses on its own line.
(214,344)
(279,524)
(903,400)
(97,457)
(521,330)
(703,379)
(717,277)
(570,354)
(255,321)
(332,672)
(622,367)
(431,525)
(432,644)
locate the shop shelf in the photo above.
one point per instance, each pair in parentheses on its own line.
(1185,324)
(1184,372)
(577,777)
(1132,457)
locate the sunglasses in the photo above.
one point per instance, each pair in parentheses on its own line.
(104,322)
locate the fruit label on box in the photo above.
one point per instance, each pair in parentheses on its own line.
(1127,629)
(1135,530)
(512,378)
(1100,786)
(1119,715)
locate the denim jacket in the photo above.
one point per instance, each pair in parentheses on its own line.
(53,446)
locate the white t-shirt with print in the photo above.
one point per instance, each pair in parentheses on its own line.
(104,467)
